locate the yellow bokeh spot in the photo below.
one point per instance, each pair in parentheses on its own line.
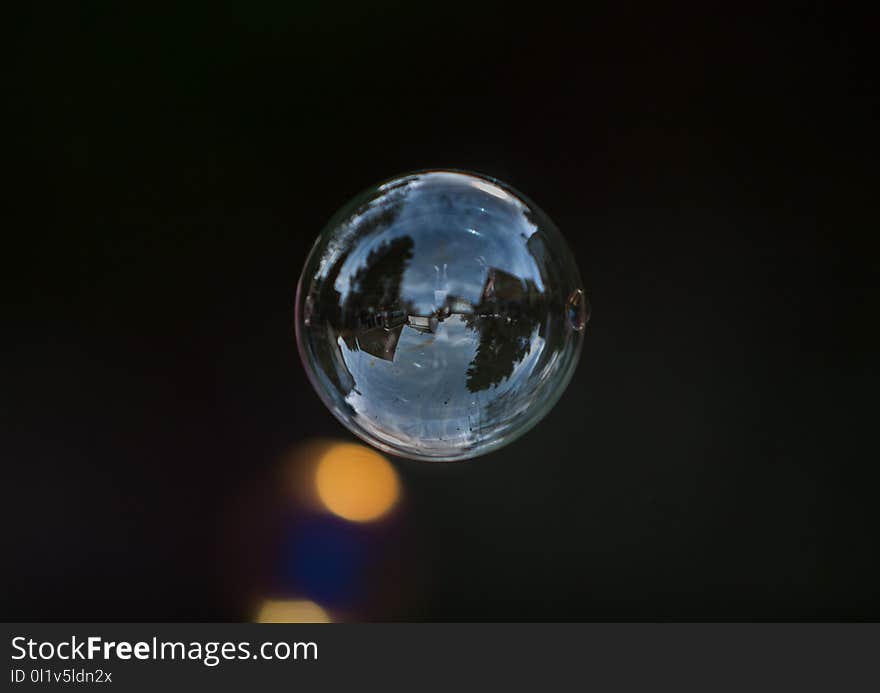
(291,611)
(356,483)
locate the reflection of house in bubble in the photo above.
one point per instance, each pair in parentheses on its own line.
(503,290)
(378,333)
(505,312)
(507,319)
(375,332)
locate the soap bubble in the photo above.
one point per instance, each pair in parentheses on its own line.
(440,315)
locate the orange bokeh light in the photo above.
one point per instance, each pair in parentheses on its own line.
(291,611)
(356,483)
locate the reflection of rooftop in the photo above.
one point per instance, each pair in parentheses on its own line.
(504,286)
(378,332)
(380,342)
(423,323)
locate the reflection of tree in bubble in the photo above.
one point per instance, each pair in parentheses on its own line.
(425,292)
(325,308)
(506,320)
(374,312)
(375,286)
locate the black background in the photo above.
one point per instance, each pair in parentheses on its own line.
(713,172)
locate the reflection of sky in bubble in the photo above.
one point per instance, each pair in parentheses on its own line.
(463,229)
(424,383)
(421,395)
(437,315)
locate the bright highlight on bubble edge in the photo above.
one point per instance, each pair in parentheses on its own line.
(291,611)
(356,483)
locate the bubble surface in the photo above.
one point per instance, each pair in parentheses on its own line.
(440,315)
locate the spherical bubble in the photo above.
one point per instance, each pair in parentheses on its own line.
(440,315)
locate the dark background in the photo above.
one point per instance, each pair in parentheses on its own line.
(713,172)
